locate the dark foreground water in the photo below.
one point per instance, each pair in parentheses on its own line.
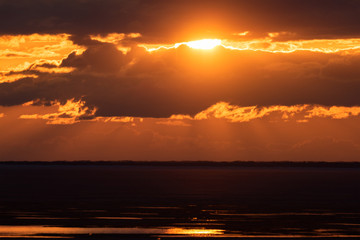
(137,202)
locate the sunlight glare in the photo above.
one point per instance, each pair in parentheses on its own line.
(194,232)
(204,44)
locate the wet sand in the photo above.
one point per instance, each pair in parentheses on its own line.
(151,202)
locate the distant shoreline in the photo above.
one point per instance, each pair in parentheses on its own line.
(191,163)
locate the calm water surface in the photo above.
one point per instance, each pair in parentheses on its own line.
(135,202)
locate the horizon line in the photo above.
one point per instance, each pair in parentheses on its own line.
(189,163)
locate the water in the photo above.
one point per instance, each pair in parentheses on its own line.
(139,202)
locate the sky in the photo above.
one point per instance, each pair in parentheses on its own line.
(163,80)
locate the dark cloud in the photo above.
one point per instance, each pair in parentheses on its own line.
(187,81)
(163,20)
(343,69)
(103,57)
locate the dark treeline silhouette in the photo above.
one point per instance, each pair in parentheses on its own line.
(192,163)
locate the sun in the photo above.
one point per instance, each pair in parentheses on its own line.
(204,44)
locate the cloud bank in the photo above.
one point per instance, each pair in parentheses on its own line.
(185,80)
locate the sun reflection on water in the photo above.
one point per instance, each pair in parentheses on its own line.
(19,231)
(199,231)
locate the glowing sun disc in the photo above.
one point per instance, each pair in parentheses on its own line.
(204,43)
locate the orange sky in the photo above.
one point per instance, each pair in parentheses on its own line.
(257,86)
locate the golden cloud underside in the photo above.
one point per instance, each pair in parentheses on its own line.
(53,49)
(72,111)
(19,51)
(269,45)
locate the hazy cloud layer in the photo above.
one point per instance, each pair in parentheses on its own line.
(269,138)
